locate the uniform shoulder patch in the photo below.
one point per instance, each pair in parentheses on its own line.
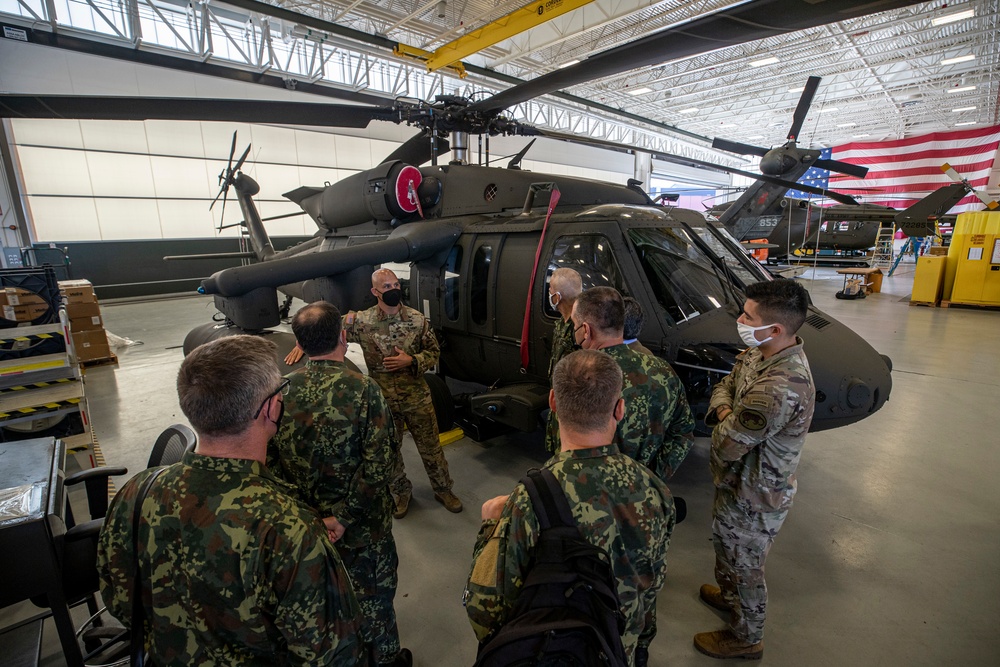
(752,420)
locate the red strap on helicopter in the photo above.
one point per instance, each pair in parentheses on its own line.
(553,200)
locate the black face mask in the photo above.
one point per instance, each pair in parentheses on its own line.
(392,297)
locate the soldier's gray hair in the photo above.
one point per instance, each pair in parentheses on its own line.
(602,308)
(567,282)
(222,383)
(587,385)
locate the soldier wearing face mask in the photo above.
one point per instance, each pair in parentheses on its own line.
(761,413)
(399,347)
(565,286)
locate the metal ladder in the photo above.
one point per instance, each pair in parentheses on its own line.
(882,257)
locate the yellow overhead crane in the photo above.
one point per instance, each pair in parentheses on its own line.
(503,28)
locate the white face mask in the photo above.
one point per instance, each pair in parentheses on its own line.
(552,299)
(747,334)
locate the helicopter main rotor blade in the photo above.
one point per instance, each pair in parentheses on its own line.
(835,196)
(417,150)
(803,107)
(841,167)
(738,24)
(738,148)
(160,108)
(240,162)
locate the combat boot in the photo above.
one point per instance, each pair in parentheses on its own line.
(641,656)
(402,506)
(404,658)
(712,596)
(450,501)
(724,644)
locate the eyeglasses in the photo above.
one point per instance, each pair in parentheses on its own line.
(282,389)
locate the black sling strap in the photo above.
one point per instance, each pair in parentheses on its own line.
(548,499)
(138,623)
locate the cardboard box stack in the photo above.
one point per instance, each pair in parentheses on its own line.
(85,323)
(21,305)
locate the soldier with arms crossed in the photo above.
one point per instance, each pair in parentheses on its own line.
(233,570)
(336,445)
(618,505)
(761,412)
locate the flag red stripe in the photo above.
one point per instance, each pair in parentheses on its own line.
(967,168)
(956,135)
(943,154)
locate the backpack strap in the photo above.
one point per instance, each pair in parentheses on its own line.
(548,499)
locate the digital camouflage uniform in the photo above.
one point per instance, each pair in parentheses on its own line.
(406,391)
(658,427)
(755,451)
(619,505)
(562,345)
(235,571)
(636,346)
(336,445)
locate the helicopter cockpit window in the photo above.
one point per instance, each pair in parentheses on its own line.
(480,281)
(728,255)
(591,256)
(685,281)
(453,283)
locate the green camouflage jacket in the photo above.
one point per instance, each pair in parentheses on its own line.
(619,506)
(756,448)
(379,335)
(235,571)
(562,343)
(658,428)
(335,445)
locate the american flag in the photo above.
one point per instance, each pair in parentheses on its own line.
(815,177)
(904,170)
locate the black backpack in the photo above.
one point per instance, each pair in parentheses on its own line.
(567,613)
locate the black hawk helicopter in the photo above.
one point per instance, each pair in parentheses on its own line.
(471,233)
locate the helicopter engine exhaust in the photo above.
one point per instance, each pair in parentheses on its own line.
(390,191)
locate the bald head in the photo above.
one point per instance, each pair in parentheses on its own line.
(567,282)
(384,279)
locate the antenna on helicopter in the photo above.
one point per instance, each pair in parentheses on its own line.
(515,163)
(226,179)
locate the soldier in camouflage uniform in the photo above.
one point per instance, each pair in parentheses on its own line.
(619,506)
(565,286)
(336,446)
(658,428)
(761,412)
(399,347)
(234,571)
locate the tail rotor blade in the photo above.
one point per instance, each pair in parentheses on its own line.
(803,107)
(738,148)
(842,167)
(232,150)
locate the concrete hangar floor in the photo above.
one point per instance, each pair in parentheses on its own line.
(889,556)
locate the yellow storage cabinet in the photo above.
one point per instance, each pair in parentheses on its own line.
(929,279)
(974,257)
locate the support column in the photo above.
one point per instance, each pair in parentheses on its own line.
(643,169)
(15,232)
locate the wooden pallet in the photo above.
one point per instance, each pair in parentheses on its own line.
(929,304)
(974,306)
(107,361)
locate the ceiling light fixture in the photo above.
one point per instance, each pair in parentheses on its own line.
(961,109)
(951,18)
(861,136)
(963,89)
(568,64)
(968,122)
(765,61)
(756,136)
(958,59)
(639,91)
(797,90)
(846,124)
(828,110)
(691,110)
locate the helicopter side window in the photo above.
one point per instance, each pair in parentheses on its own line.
(684,280)
(453,283)
(591,256)
(480,280)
